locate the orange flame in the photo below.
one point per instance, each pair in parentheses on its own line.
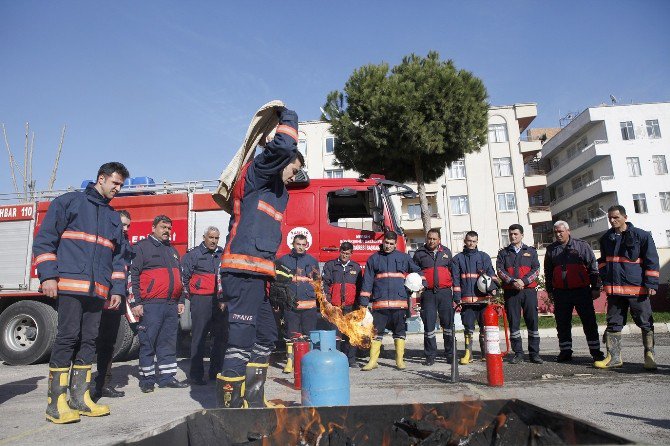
(349,324)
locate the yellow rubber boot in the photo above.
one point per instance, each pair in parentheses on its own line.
(58,410)
(288,368)
(648,342)
(467,357)
(375,349)
(80,397)
(400,353)
(230,392)
(613,358)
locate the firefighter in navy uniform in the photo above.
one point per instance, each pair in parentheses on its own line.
(109,329)
(518,268)
(573,283)
(467,268)
(199,273)
(629,270)
(342,279)
(300,321)
(79,260)
(384,288)
(434,259)
(157,291)
(259,201)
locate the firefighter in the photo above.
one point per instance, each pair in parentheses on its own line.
(572,283)
(342,281)
(468,266)
(259,201)
(110,321)
(301,320)
(629,270)
(157,292)
(199,273)
(79,259)
(434,259)
(384,289)
(518,267)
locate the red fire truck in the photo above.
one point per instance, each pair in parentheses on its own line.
(327,211)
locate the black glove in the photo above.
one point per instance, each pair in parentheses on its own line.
(281,290)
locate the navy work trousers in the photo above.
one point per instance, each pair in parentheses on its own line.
(300,322)
(436,304)
(110,320)
(640,310)
(565,301)
(78,322)
(517,301)
(471,314)
(206,317)
(157,331)
(252,329)
(393,319)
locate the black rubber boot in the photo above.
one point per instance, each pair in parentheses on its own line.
(230,392)
(613,358)
(80,398)
(482,346)
(648,342)
(254,384)
(58,410)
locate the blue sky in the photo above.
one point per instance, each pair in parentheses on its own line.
(169,87)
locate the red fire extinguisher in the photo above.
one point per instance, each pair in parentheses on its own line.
(494,357)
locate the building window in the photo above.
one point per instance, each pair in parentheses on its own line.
(653,130)
(582,181)
(459,205)
(665,201)
(640,203)
(330,145)
(506,202)
(334,173)
(559,191)
(502,167)
(660,167)
(627,132)
(633,166)
(504,237)
(457,169)
(414,211)
(498,133)
(458,240)
(302,147)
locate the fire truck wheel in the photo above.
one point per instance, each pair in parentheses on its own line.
(28,332)
(134,350)
(124,339)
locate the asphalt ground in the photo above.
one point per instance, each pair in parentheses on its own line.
(628,401)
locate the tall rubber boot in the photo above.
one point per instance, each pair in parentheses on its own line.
(449,347)
(400,353)
(288,368)
(648,342)
(375,349)
(58,410)
(230,392)
(80,398)
(254,385)
(467,357)
(482,346)
(613,358)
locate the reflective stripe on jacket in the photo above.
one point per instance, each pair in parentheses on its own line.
(467,266)
(305,268)
(384,277)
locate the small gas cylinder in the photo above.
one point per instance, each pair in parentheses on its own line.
(325,372)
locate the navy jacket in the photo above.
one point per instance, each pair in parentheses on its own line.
(155,272)
(628,263)
(384,280)
(435,269)
(259,201)
(342,282)
(467,266)
(199,270)
(80,245)
(570,266)
(523,265)
(305,268)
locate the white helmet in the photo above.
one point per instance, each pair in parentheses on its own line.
(413,282)
(485,284)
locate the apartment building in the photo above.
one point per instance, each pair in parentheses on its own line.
(612,154)
(487,191)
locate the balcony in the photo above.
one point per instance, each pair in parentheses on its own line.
(595,188)
(529,149)
(413,223)
(579,161)
(534,181)
(590,227)
(538,214)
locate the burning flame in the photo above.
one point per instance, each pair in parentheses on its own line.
(350,324)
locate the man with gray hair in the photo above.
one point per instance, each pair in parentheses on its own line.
(573,282)
(200,272)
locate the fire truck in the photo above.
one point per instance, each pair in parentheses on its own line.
(327,211)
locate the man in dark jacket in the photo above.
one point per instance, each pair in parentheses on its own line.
(384,288)
(199,272)
(300,321)
(342,281)
(157,289)
(259,201)
(109,329)
(434,259)
(79,259)
(630,273)
(572,281)
(518,268)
